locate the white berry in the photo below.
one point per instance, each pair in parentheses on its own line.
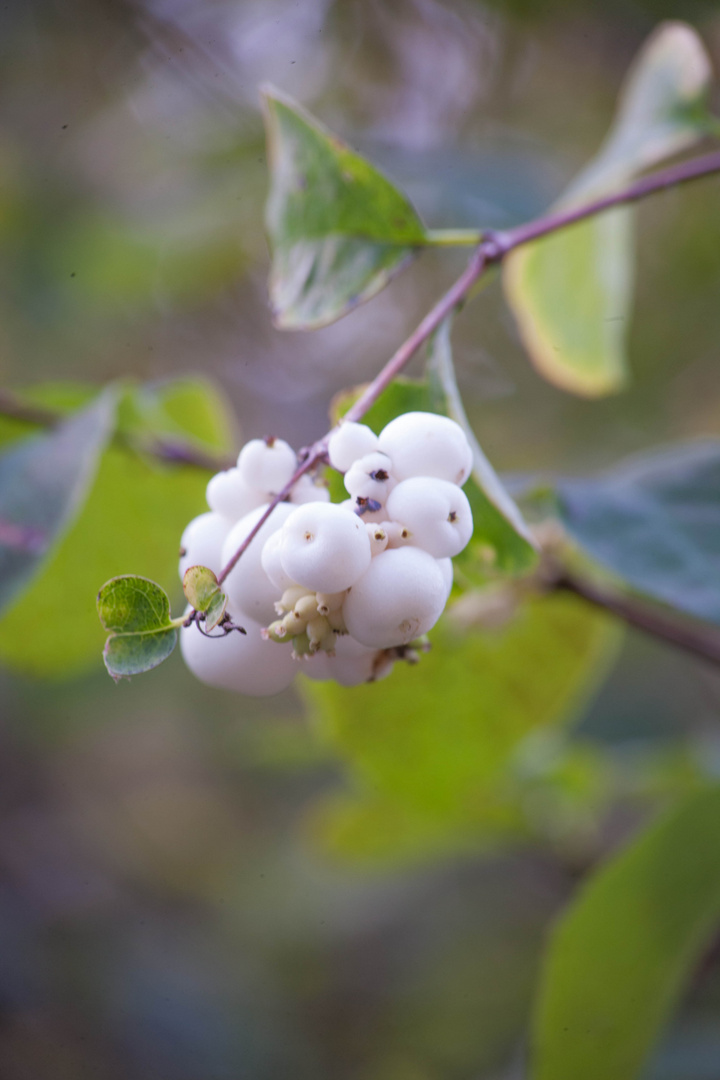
(244,663)
(306,490)
(202,541)
(370,478)
(426,444)
(228,494)
(324,547)
(348,443)
(270,560)
(247,585)
(436,513)
(267,465)
(351,665)
(399,597)
(446,568)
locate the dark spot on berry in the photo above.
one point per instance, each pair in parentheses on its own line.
(183,552)
(379,474)
(452,516)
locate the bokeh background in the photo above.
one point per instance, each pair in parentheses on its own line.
(165,911)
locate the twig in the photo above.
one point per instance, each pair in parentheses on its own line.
(169,450)
(693,638)
(492,249)
(694,169)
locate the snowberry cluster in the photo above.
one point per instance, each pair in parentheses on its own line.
(348,588)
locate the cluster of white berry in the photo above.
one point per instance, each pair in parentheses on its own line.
(348,588)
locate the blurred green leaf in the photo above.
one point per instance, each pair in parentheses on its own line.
(136,611)
(571,292)
(132,521)
(428,749)
(190,409)
(655,522)
(622,953)
(338,228)
(43,483)
(401,396)
(497,520)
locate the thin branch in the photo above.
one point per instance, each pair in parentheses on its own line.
(171,450)
(695,169)
(16,409)
(693,638)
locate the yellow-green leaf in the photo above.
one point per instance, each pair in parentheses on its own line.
(571,292)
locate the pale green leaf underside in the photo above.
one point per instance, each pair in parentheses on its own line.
(133,654)
(315,282)
(43,483)
(626,947)
(571,293)
(337,227)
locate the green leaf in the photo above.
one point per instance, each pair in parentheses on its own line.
(497,520)
(429,750)
(571,292)
(215,610)
(136,611)
(623,952)
(133,654)
(655,521)
(338,228)
(44,481)
(201,589)
(199,585)
(132,521)
(189,410)
(133,605)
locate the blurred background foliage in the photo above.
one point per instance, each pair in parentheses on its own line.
(194,885)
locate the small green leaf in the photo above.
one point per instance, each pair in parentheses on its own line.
(571,292)
(130,604)
(623,952)
(189,410)
(133,654)
(201,589)
(497,520)
(430,749)
(215,610)
(136,611)
(338,228)
(199,585)
(655,522)
(44,481)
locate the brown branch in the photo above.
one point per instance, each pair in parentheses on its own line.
(170,450)
(699,640)
(694,169)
